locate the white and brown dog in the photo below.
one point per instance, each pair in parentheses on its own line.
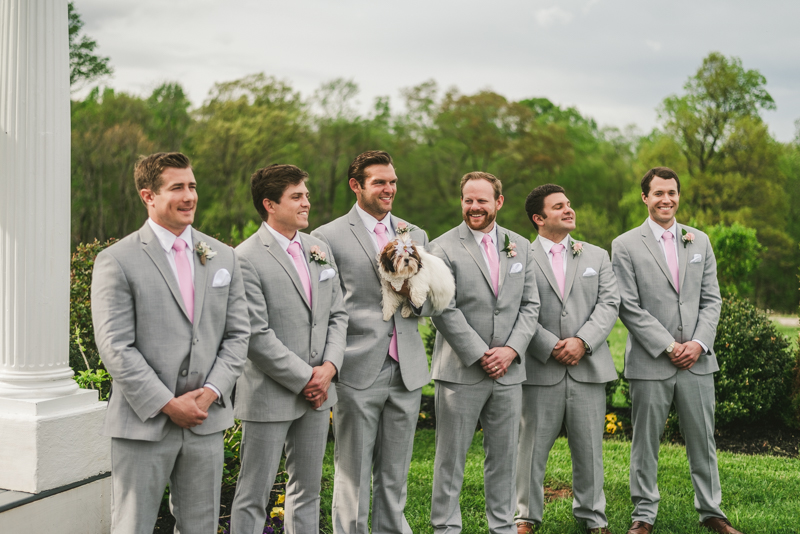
(427,276)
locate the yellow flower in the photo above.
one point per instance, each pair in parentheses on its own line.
(611,418)
(277,512)
(611,428)
(281,498)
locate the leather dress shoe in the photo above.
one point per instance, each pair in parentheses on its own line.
(719,524)
(526,528)
(640,527)
(598,530)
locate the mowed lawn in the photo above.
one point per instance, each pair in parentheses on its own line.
(761,494)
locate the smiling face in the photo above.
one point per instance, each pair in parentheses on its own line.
(291,213)
(558,219)
(478,205)
(173,206)
(380,187)
(662,200)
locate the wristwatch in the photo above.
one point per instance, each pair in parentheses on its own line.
(586,346)
(670,348)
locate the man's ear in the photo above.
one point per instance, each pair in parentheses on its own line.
(354,185)
(267,203)
(147,196)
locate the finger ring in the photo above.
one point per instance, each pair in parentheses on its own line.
(495,368)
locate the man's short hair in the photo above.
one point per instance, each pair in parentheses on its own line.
(662,172)
(497,185)
(364,160)
(270,183)
(534,204)
(148,169)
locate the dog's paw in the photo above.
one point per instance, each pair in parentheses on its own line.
(406,311)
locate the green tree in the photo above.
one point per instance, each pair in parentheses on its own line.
(738,254)
(85,65)
(169,120)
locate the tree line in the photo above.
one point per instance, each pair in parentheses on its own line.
(734,173)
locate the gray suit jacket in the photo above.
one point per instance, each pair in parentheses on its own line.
(588,310)
(287,338)
(368,335)
(653,311)
(476,320)
(146,340)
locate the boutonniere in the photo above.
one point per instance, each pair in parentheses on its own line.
(317,255)
(204,252)
(686,237)
(577,248)
(403,228)
(510,247)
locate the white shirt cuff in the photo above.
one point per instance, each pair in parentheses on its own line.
(219,395)
(705,349)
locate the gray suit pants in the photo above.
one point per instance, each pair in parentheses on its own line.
(693,396)
(140,470)
(262,444)
(544,408)
(374,430)
(459,407)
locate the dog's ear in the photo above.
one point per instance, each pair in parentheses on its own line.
(417,256)
(386,257)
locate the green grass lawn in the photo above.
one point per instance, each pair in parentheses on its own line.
(761,494)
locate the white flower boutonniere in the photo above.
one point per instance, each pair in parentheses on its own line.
(686,237)
(577,249)
(204,252)
(509,248)
(317,255)
(403,228)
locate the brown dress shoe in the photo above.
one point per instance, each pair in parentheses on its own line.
(640,527)
(599,530)
(719,524)
(526,528)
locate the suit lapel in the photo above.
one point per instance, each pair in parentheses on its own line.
(283,259)
(200,280)
(572,269)
(468,240)
(503,256)
(540,257)
(314,269)
(655,249)
(361,233)
(152,248)
(683,256)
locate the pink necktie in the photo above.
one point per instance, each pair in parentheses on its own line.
(296,252)
(184,276)
(494,264)
(672,259)
(558,266)
(380,233)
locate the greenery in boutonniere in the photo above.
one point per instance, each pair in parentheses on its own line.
(509,248)
(577,248)
(317,255)
(686,237)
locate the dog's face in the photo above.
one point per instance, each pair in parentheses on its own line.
(401,258)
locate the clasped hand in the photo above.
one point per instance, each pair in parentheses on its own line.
(569,351)
(316,391)
(496,361)
(191,408)
(685,355)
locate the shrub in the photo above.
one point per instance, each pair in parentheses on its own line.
(754,359)
(791,413)
(738,255)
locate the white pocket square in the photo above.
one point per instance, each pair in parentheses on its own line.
(589,272)
(697,258)
(515,268)
(221,278)
(326,274)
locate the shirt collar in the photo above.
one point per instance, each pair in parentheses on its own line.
(547,244)
(478,235)
(167,238)
(281,239)
(658,230)
(370,221)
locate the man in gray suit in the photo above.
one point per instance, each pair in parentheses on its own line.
(567,363)
(385,366)
(170,321)
(670,303)
(297,338)
(477,358)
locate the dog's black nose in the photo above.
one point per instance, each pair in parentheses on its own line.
(406,260)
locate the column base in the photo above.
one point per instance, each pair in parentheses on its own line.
(48,443)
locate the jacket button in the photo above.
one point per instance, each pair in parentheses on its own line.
(563,314)
(390,334)
(195,342)
(497,312)
(314,354)
(680,327)
(184,372)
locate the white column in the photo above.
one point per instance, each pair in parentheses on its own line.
(46,422)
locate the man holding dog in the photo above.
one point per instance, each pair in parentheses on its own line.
(568,363)
(298,326)
(478,357)
(384,368)
(670,303)
(170,321)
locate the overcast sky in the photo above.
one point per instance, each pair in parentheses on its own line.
(615,60)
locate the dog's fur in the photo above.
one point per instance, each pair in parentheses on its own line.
(427,276)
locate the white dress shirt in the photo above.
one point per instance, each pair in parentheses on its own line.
(284,243)
(370,222)
(478,235)
(547,245)
(658,232)
(166,239)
